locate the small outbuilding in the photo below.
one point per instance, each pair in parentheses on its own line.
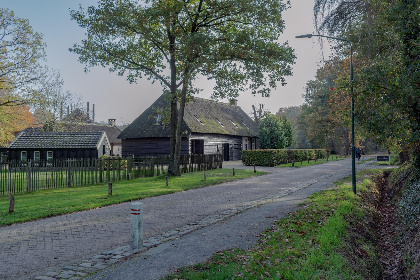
(41,145)
(209,127)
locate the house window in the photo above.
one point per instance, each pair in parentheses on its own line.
(198,120)
(234,124)
(158,120)
(245,124)
(219,122)
(197,147)
(50,155)
(37,155)
(23,155)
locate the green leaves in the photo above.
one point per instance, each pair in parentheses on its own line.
(21,50)
(275,132)
(201,37)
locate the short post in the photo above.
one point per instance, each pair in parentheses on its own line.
(136,232)
(233,171)
(11,203)
(110,189)
(204,175)
(28,188)
(255,170)
(166,180)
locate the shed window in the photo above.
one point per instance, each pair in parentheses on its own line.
(50,155)
(37,155)
(23,155)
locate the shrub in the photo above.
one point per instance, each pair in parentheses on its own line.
(272,157)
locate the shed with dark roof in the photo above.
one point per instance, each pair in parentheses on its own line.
(208,127)
(111,130)
(41,145)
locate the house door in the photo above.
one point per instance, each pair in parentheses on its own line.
(226,152)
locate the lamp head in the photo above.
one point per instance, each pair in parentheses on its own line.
(304,36)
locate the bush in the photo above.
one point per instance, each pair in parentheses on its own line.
(272,157)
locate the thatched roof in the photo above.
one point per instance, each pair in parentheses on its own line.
(201,116)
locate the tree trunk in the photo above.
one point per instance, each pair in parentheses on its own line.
(173,168)
(179,128)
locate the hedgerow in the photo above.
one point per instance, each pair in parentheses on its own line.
(272,157)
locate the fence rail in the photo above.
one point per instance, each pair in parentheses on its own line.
(20,177)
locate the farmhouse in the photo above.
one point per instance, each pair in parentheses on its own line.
(40,145)
(209,127)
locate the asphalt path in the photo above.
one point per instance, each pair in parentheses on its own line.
(180,229)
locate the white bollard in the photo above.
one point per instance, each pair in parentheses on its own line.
(136,232)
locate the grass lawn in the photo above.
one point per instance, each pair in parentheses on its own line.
(311,162)
(307,244)
(41,204)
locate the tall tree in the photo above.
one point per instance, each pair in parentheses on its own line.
(21,50)
(386,40)
(275,132)
(234,43)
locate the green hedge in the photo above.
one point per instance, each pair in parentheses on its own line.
(277,157)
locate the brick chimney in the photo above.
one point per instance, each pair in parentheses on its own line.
(111,122)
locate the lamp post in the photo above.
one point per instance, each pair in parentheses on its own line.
(353,161)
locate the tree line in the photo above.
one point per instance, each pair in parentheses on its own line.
(235,43)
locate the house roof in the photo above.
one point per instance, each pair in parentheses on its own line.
(57,140)
(111,131)
(201,116)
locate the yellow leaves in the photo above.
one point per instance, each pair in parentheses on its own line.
(13,119)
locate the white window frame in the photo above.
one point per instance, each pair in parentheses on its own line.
(23,155)
(37,155)
(50,155)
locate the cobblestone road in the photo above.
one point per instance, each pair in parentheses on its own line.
(46,246)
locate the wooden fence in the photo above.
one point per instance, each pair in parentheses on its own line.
(20,177)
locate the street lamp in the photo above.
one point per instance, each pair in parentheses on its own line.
(353,161)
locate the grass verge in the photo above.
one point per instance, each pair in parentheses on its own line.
(41,204)
(310,243)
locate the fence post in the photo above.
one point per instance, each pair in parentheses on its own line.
(233,171)
(136,223)
(28,189)
(69,172)
(100,170)
(255,170)
(11,203)
(110,189)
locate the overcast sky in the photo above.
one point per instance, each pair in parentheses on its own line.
(115,98)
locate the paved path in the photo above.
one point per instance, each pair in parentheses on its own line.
(46,246)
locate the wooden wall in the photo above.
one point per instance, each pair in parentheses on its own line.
(150,147)
(214,143)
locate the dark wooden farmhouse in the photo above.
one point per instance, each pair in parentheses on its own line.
(41,145)
(209,127)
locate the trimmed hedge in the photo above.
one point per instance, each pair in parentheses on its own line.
(276,157)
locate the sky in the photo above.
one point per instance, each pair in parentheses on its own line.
(115,98)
